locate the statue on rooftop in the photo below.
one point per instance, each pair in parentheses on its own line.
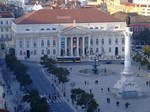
(128,20)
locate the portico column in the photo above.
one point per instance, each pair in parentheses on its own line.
(89,45)
(71,46)
(31,46)
(24,46)
(59,49)
(65,46)
(77,46)
(83,50)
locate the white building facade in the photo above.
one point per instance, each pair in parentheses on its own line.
(5,31)
(68,35)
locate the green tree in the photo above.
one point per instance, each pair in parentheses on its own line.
(10,61)
(144,61)
(147,51)
(144,37)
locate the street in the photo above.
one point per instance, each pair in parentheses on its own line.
(45,88)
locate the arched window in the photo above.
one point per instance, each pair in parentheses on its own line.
(91,42)
(42,43)
(42,29)
(96,27)
(48,43)
(91,27)
(27,30)
(42,52)
(97,42)
(54,29)
(116,27)
(102,41)
(48,29)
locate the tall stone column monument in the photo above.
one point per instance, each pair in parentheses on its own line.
(126,86)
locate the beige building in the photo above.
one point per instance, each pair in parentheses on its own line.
(114,6)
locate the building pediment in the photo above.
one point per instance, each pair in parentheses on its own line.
(73,30)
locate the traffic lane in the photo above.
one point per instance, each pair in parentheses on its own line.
(40,80)
(61,107)
(57,107)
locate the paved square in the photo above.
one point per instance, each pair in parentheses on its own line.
(101,92)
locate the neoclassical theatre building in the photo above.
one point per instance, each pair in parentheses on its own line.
(68,32)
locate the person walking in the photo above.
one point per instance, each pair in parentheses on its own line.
(117,103)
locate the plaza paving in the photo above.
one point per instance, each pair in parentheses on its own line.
(141,104)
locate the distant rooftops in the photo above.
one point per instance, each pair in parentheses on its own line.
(6,15)
(135,18)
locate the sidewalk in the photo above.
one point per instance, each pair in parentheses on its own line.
(13,95)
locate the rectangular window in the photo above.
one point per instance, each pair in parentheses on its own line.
(34,52)
(6,29)
(1,22)
(28,44)
(123,40)
(91,42)
(1,29)
(2,36)
(54,43)
(116,41)
(20,44)
(109,41)
(122,49)
(34,44)
(54,51)
(6,22)
(109,49)
(7,36)
(96,50)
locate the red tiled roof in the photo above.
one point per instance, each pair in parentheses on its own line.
(6,15)
(47,16)
(135,18)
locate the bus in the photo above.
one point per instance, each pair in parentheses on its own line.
(68,59)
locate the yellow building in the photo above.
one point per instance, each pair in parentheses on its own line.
(114,6)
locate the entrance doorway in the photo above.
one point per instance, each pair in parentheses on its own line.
(28,53)
(116,51)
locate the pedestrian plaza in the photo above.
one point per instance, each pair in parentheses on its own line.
(102,86)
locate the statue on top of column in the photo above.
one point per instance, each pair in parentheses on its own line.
(128,20)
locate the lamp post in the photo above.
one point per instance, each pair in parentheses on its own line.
(95,70)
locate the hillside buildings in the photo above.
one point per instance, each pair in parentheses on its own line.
(139,6)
